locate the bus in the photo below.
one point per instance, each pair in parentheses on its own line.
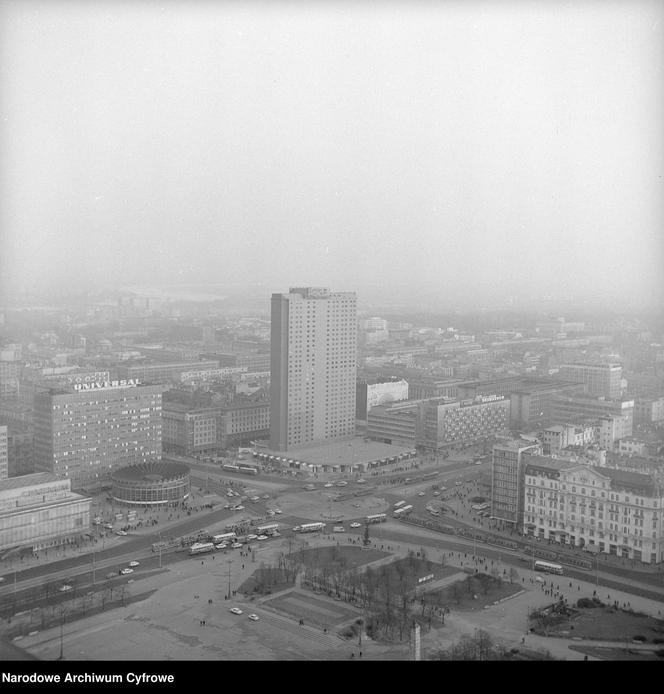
(248,470)
(312,527)
(548,567)
(230,467)
(403,511)
(201,548)
(224,537)
(269,529)
(376,518)
(399,503)
(431,475)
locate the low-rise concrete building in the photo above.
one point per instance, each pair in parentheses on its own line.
(40,510)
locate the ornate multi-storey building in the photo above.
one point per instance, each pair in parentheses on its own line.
(604,509)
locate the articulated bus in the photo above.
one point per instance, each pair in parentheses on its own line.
(403,511)
(376,518)
(548,567)
(201,548)
(312,527)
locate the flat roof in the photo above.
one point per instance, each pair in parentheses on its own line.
(342,452)
(28,480)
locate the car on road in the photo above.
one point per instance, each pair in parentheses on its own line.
(235,610)
(266,496)
(124,572)
(420,493)
(134,563)
(278,511)
(361,481)
(262,537)
(443,489)
(328,484)
(254,617)
(239,508)
(436,493)
(131,580)
(296,528)
(108,526)
(122,533)
(338,529)
(221,545)
(236,545)
(270,513)
(252,537)
(255,498)
(539,579)
(458,483)
(342,483)
(64,588)
(356,525)
(111,575)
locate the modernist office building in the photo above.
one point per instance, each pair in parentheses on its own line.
(313,367)
(4,455)
(40,511)
(600,380)
(84,433)
(508,480)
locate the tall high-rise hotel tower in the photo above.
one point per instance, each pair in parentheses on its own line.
(313,367)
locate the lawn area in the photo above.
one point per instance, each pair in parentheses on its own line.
(341,556)
(265,581)
(312,608)
(473,592)
(603,623)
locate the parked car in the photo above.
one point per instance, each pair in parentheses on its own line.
(122,533)
(356,525)
(236,545)
(239,508)
(262,537)
(420,494)
(235,610)
(254,617)
(328,484)
(266,496)
(134,563)
(124,572)
(221,545)
(278,510)
(66,587)
(339,529)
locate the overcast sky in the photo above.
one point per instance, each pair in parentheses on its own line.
(466,149)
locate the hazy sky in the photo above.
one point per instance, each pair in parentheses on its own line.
(455,148)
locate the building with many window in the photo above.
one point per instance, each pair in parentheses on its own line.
(163,372)
(394,423)
(40,511)
(600,380)
(191,430)
(444,423)
(85,432)
(313,367)
(4,454)
(607,510)
(507,479)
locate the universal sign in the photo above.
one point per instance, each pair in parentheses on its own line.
(124,383)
